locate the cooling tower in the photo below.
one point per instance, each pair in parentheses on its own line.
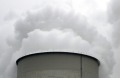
(57,65)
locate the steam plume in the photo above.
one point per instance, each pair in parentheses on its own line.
(54,29)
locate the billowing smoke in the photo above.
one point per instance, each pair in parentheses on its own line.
(54,29)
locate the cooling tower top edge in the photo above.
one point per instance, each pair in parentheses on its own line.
(56,52)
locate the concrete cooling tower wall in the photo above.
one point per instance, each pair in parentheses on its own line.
(57,65)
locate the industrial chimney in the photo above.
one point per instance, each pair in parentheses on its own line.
(57,65)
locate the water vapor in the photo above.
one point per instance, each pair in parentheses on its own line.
(54,29)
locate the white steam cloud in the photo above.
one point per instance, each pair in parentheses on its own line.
(54,29)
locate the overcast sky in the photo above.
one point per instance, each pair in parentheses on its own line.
(83,26)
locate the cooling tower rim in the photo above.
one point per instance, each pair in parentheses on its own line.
(41,53)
